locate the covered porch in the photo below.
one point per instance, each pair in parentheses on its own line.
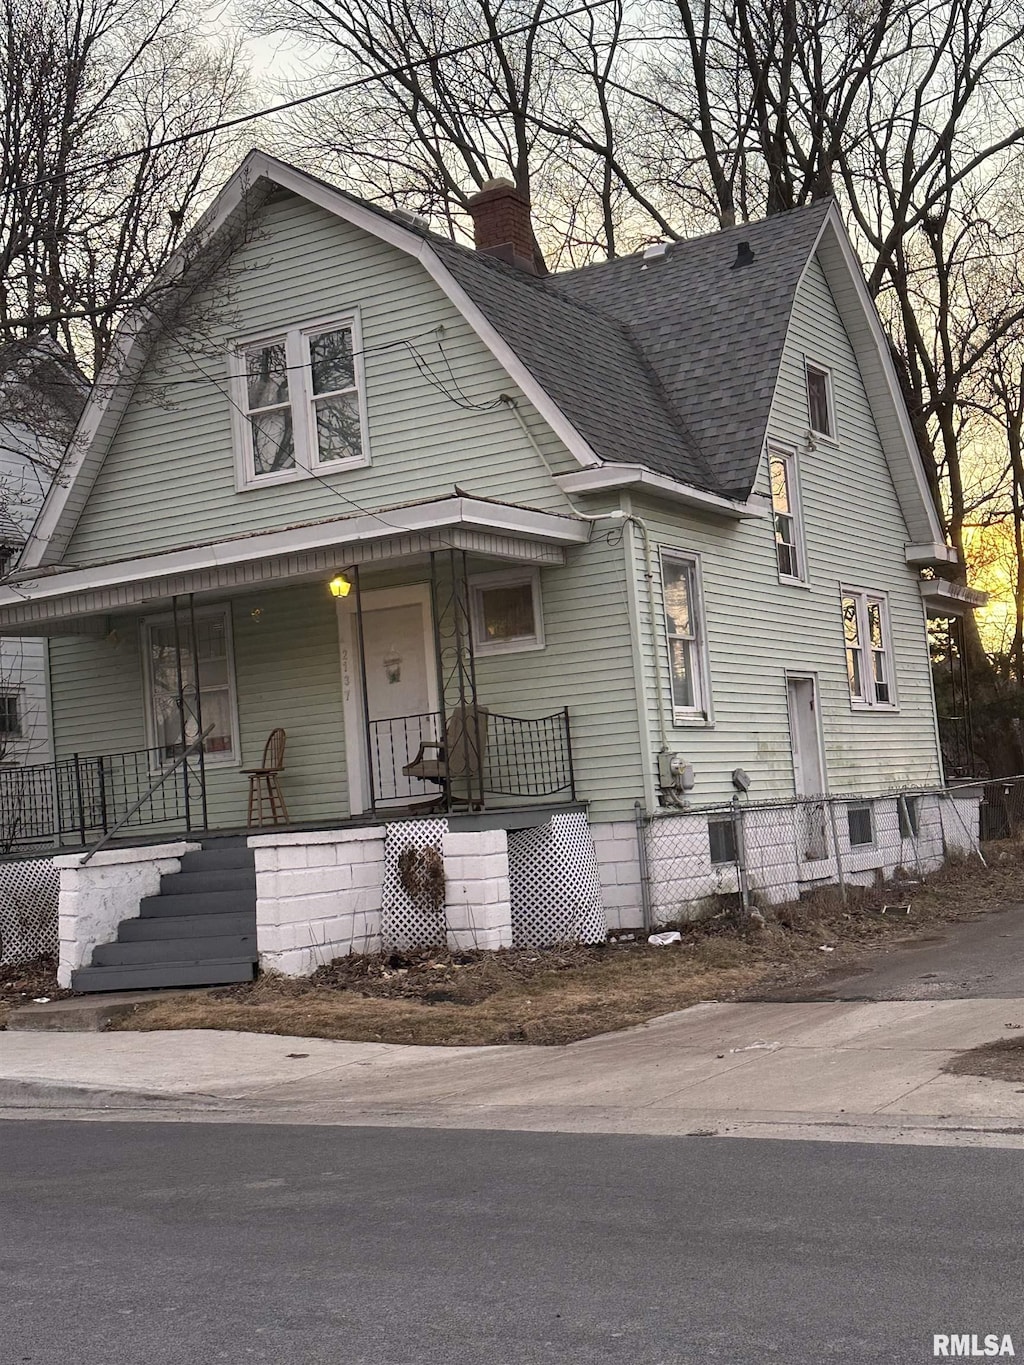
(402,652)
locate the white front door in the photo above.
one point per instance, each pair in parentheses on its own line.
(808,766)
(401,692)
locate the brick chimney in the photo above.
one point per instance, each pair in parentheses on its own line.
(502,227)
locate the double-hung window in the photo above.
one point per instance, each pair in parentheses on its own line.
(10,714)
(867,639)
(298,403)
(684,630)
(200,672)
(786,514)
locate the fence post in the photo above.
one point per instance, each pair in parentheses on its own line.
(736,815)
(840,877)
(645,878)
(103,793)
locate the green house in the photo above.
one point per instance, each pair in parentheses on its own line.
(489,545)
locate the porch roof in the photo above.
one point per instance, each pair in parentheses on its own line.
(72,600)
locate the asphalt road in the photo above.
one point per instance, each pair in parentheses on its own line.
(981,959)
(177,1244)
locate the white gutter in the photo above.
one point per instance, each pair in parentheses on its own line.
(608,477)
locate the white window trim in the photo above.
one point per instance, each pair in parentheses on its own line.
(18,695)
(863,596)
(300,396)
(506,578)
(829,437)
(702,714)
(152,743)
(787,453)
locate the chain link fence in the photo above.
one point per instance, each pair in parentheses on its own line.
(701,860)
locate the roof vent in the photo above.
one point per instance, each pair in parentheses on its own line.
(744,255)
(416,220)
(655,251)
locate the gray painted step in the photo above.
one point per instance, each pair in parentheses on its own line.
(221,972)
(174,950)
(199,903)
(215,879)
(185,926)
(235,855)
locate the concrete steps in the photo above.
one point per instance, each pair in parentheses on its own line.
(200,930)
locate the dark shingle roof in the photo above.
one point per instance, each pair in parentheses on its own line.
(588,362)
(712,333)
(668,363)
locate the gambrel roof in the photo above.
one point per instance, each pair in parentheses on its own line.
(665,366)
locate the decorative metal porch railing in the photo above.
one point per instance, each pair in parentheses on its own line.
(83,797)
(522,758)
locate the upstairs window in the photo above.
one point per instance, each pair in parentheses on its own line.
(868,648)
(786,514)
(684,629)
(820,410)
(298,406)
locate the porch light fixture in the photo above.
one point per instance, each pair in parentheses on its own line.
(340,586)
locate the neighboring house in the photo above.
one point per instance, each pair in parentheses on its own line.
(675,497)
(42,394)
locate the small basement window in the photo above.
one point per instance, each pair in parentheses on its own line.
(722,838)
(861,826)
(909,808)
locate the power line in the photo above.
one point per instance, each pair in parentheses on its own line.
(106,162)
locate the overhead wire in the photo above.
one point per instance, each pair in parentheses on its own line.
(397,69)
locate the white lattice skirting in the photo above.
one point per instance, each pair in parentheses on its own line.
(28,910)
(555,884)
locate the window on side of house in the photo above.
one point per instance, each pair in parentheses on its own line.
(10,715)
(786,514)
(722,839)
(298,403)
(684,629)
(211,664)
(861,826)
(909,809)
(820,409)
(868,648)
(505,611)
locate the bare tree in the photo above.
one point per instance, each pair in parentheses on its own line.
(83,229)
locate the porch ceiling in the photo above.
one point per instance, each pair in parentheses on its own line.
(77,600)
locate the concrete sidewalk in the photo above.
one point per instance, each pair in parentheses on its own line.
(844,1070)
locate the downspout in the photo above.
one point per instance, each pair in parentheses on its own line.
(632,519)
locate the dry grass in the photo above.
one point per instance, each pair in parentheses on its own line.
(565,994)
(1000,1061)
(26,982)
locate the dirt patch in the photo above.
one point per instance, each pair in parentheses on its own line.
(561,995)
(1000,1061)
(28,981)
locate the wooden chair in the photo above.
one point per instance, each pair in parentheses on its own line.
(459,756)
(263,783)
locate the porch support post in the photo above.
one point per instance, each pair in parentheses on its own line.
(456,663)
(361,651)
(201,753)
(182,722)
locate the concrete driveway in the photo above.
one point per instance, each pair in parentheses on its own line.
(979,960)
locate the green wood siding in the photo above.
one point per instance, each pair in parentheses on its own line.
(287,673)
(169,477)
(758,627)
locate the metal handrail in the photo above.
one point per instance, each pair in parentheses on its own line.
(153,787)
